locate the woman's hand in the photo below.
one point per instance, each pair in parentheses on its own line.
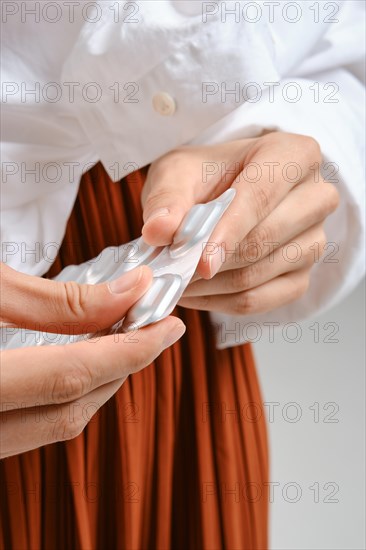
(262,251)
(49,393)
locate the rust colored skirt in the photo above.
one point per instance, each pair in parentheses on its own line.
(177,459)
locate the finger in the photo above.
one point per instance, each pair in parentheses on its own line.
(268,176)
(302,208)
(183,178)
(166,202)
(30,428)
(271,295)
(68,307)
(298,254)
(58,374)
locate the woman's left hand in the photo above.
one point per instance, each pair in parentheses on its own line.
(261,252)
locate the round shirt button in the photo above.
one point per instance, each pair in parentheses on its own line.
(164,104)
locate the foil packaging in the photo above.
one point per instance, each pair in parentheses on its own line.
(173,267)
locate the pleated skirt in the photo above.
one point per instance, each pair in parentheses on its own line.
(177,459)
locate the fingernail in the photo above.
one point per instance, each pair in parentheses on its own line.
(174,335)
(126,282)
(215,262)
(159,213)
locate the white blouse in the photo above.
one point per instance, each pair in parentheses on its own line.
(125,82)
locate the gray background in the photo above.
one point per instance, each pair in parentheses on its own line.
(314,450)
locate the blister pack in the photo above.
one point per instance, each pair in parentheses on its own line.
(173,267)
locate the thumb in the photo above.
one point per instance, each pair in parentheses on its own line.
(68,307)
(166,200)
(182,178)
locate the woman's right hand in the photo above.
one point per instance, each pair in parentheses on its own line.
(49,393)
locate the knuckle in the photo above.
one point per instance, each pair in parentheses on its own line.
(261,234)
(311,148)
(242,278)
(246,302)
(236,280)
(158,197)
(68,428)
(262,200)
(331,198)
(282,138)
(205,302)
(74,299)
(252,251)
(66,388)
(70,385)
